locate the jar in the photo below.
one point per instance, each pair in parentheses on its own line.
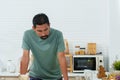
(77,50)
(82,51)
(10,66)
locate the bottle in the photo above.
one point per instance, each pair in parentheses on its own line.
(111,69)
(10,66)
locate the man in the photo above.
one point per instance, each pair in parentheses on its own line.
(47,47)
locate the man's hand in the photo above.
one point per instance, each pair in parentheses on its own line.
(24,62)
(63,65)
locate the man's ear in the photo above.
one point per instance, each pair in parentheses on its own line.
(49,24)
(33,27)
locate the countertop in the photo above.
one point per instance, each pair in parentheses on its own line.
(9,74)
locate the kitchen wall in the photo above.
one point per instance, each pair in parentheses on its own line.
(81,21)
(114,47)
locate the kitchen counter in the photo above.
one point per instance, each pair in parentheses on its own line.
(9,76)
(6,74)
(76,74)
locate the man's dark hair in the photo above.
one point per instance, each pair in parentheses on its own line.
(40,19)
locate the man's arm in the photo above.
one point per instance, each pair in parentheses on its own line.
(24,62)
(63,65)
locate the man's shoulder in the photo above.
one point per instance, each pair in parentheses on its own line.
(56,31)
(28,32)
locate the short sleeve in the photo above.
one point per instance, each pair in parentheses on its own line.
(61,45)
(25,42)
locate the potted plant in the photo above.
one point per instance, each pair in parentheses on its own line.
(116,65)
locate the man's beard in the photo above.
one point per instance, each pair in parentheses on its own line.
(44,37)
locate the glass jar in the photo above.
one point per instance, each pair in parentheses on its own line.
(77,50)
(82,51)
(10,66)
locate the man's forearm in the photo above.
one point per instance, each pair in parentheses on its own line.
(63,67)
(24,65)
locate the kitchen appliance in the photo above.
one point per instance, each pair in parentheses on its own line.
(83,62)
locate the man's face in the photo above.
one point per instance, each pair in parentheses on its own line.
(42,30)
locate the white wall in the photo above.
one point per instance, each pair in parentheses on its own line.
(81,21)
(114,30)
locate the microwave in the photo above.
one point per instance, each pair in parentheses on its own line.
(91,62)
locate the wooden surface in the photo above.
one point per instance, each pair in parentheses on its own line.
(69,62)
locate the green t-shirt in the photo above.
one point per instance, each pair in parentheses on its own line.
(45,64)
